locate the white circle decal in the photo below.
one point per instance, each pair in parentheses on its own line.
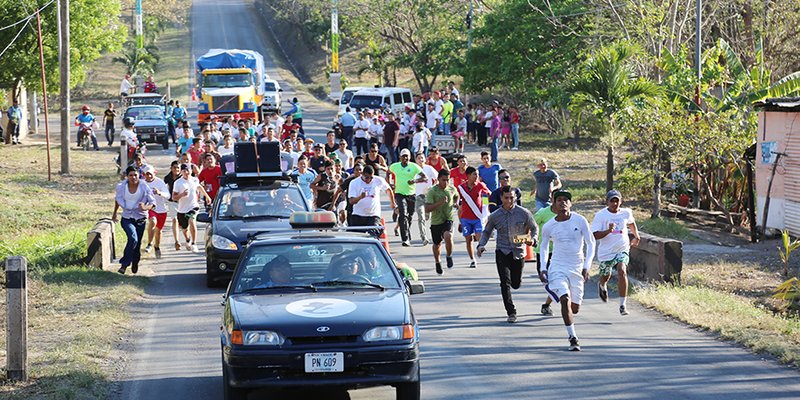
(321,308)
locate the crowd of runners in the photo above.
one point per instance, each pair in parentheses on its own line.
(476,201)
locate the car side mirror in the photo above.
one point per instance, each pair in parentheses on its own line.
(280,90)
(415,287)
(203,217)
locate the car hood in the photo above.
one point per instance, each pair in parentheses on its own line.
(346,312)
(147,123)
(237,230)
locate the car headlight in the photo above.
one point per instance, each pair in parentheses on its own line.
(383,333)
(223,243)
(262,338)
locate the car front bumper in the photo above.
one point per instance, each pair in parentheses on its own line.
(364,366)
(213,259)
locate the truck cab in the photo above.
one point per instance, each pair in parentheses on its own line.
(230,82)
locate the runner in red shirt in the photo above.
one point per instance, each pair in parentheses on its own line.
(474,197)
(459,173)
(210,175)
(288,127)
(434,160)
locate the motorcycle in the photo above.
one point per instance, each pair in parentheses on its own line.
(86,133)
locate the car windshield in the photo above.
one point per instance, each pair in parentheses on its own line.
(319,266)
(270,87)
(346,97)
(364,101)
(140,113)
(228,80)
(271,202)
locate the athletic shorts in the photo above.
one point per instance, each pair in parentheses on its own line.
(560,283)
(607,266)
(437,231)
(172,209)
(183,218)
(160,218)
(471,226)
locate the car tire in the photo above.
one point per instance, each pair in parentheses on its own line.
(230,392)
(408,390)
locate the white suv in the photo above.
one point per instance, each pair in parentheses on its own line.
(272,96)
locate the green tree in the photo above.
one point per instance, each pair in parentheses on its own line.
(94,29)
(138,61)
(608,86)
(376,59)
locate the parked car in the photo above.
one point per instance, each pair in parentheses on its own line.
(272,97)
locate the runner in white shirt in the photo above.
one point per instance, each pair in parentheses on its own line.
(569,268)
(186,191)
(345,154)
(420,188)
(227,146)
(364,194)
(421,139)
(157,216)
(610,228)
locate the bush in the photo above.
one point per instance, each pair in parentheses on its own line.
(666,228)
(635,182)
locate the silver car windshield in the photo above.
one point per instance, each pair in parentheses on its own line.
(279,202)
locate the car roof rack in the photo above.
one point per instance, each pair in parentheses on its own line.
(301,231)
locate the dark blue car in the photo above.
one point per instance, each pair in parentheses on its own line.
(244,208)
(309,309)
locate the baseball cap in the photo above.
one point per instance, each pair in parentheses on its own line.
(562,193)
(405,152)
(236,117)
(318,145)
(613,193)
(309,140)
(148,169)
(185,167)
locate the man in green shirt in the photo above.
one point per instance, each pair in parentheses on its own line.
(541,217)
(406,174)
(439,201)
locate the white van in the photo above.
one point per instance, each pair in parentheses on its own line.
(396,98)
(347,95)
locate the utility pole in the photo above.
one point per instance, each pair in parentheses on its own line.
(44,91)
(698,59)
(64,66)
(138,24)
(336,82)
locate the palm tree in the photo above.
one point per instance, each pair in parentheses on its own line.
(376,60)
(607,85)
(139,61)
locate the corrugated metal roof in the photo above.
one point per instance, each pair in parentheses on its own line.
(788,104)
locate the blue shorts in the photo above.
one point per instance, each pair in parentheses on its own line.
(471,226)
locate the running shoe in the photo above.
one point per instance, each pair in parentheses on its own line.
(406,243)
(121,270)
(425,242)
(158,253)
(449,262)
(546,309)
(603,290)
(135,267)
(623,310)
(573,344)
(473,264)
(194,248)
(511,318)
(177,246)
(148,248)
(189,246)
(439,268)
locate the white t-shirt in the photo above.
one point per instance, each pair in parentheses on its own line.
(190,202)
(420,140)
(568,239)
(617,241)
(488,115)
(361,128)
(376,131)
(454,91)
(161,200)
(431,174)
(433,116)
(346,157)
(130,137)
(369,206)
(125,86)
(223,151)
(438,106)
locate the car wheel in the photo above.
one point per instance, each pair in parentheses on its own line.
(408,390)
(229,392)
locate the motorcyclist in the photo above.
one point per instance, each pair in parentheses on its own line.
(129,136)
(86,121)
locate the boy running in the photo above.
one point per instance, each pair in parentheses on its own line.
(569,268)
(610,228)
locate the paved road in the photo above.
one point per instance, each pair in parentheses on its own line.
(468,350)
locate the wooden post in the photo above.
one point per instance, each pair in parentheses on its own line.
(169,92)
(123,156)
(17,318)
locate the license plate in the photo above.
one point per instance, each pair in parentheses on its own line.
(324,362)
(445,144)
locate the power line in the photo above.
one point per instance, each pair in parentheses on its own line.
(577,14)
(15,38)
(28,18)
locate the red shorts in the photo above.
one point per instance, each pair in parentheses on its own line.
(161,218)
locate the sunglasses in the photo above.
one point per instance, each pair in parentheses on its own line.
(502,178)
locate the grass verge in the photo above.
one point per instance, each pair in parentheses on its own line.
(733,317)
(667,228)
